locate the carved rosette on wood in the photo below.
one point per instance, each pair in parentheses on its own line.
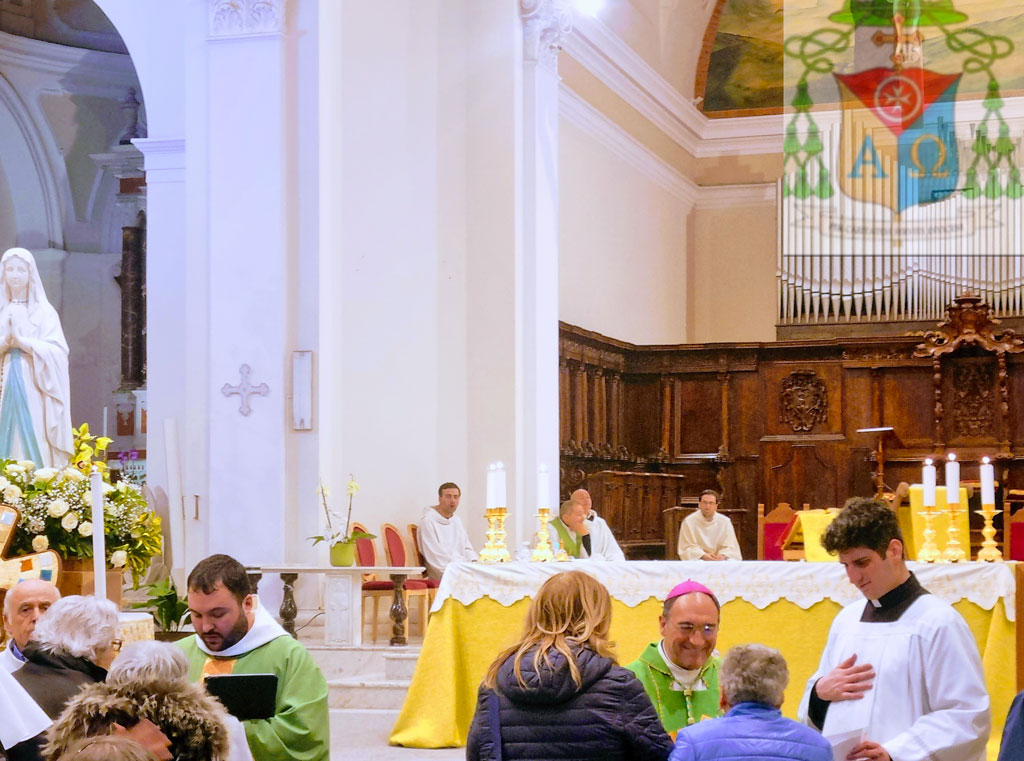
(803,401)
(969,323)
(546,24)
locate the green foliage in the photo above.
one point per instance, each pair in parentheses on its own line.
(169,611)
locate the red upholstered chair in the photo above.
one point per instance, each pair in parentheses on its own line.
(398,555)
(414,532)
(772,529)
(1013,532)
(366,555)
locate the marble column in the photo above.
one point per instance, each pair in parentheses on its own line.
(546,23)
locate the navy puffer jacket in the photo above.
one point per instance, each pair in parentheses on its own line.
(608,717)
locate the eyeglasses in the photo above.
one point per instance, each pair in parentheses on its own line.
(115,645)
(707,630)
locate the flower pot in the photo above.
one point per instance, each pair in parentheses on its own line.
(76,578)
(343,554)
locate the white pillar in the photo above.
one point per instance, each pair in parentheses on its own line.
(248,275)
(545,26)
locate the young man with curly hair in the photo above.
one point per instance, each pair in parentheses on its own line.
(901,670)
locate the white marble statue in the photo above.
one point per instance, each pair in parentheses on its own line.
(35,390)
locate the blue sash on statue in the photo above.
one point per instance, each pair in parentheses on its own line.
(14,414)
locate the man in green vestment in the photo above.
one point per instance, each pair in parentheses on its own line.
(236,635)
(680,673)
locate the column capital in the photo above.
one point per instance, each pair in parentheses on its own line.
(244,18)
(546,24)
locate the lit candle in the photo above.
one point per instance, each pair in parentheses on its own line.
(988,482)
(492,486)
(99,550)
(952,480)
(542,486)
(928,482)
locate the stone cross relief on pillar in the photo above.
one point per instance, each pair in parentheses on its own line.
(230,18)
(546,24)
(245,390)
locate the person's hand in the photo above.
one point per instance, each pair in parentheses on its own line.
(584,528)
(710,556)
(148,735)
(869,751)
(847,681)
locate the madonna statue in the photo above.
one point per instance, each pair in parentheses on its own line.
(35,390)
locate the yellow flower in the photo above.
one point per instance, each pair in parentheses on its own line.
(57,508)
(118,558)
(323,491)
(40,543)
(102,442)
(351,488)
(85,528)
(69,522)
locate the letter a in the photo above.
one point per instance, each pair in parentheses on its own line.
(869,155)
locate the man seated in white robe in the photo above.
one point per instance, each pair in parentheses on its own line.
(707,534)
(441,535)
(582,533)
(900,678)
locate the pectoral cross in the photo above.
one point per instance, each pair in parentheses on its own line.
(245,389)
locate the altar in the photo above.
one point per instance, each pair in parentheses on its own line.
(479,610)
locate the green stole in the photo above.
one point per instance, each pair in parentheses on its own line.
(565,541)
(677,708)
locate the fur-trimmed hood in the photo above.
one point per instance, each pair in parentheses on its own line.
(193,721)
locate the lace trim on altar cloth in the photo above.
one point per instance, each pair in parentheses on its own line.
(758,582)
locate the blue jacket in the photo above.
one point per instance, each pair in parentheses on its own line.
(608,717)
(751,732)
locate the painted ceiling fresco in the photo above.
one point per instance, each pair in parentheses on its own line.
(749,73)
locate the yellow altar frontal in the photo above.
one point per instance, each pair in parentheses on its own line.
(912,524)
(480,610)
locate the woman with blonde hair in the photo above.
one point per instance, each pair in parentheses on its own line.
(558,693)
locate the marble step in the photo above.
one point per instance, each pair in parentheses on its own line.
(350,662)
(366,692)
(360,734)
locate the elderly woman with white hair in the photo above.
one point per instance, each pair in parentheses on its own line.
(752,680)
(73,645)
(149,681)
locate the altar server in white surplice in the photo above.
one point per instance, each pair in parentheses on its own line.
(441,535)
(707,534)
(900,678)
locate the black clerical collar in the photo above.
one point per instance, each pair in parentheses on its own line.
(894,603)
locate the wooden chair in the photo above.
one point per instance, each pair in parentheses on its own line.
(432,584)
(398,555)
(366,555)
(771,529)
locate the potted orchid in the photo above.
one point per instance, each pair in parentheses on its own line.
(342,541)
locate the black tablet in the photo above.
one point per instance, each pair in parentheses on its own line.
(246,696)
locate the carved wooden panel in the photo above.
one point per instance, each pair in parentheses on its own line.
(803,399)
(632,503)
(802,472)
(972,400)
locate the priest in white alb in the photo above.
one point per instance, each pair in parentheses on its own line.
(441,536)
(900,678)
(707,534)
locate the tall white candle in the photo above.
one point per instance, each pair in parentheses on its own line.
(543,484)
(99,550)
(988,482)
(928,482)
(499,492)
(952,480)
(105,421)
(492,486)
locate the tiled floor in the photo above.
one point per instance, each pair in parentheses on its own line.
(363,736)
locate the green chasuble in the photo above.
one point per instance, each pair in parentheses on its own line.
(677,708)
(300,727)
(573,548)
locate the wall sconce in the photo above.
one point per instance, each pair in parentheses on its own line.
(302,390)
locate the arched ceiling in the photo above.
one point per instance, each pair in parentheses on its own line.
(74,23)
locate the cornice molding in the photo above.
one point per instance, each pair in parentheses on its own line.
(104,72)
(164,160)
(247,18)
(731,196)
(577,111)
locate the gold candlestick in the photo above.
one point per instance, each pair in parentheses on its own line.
(542,549)
(929,552)
(954,552)
(495,551)
(988,552)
